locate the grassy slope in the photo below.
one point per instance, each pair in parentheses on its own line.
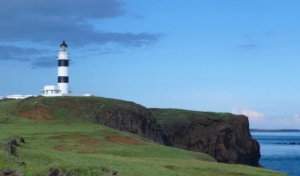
(75,144)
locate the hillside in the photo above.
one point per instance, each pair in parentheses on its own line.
(59,134)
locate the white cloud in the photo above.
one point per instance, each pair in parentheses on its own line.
(290,121)
(254,116)
(296,118)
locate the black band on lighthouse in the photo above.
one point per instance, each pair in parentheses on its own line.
(63,63)
(63,79)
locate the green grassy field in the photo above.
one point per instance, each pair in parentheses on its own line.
(163,115)
(75,144)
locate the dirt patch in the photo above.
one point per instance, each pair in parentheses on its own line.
(89,142)
(124,140)
(90,145)
(61,148)
(80,143)
(66,147)
(36,113)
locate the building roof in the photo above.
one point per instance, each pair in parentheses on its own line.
(64,44)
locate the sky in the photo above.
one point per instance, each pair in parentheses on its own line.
(232,56)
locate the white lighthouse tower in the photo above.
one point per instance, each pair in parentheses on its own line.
(63,69)
(62,88)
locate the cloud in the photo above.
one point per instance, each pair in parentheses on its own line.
(290,121)
(253,116)
(44,23)
(9,52)
(296,118)
(43,62)
(75,9)
(69,19)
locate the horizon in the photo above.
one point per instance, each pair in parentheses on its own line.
(216,56)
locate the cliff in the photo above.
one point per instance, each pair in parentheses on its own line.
(132,118)
(224,136)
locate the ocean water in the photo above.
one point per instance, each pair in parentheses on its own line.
(280,157)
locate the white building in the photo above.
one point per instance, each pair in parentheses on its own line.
(62,88)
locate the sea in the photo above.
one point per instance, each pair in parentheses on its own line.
(277,152)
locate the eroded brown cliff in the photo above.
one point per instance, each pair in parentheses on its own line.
(227,138)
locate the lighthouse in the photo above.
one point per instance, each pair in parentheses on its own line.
(62,88)
(63,69)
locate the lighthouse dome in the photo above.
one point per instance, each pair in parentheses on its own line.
(64,44)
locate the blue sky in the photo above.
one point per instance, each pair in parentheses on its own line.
(224,56)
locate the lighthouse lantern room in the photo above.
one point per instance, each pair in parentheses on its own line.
(62,87)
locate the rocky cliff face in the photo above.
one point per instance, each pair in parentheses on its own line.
(136,120)
(227,139)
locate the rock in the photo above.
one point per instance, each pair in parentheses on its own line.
(9,171)
(19,173)
(114,172)
(13,141)
(22,140)
(291,143)
(104,169)
(226,139)
(55,172)
(9,146)
(136,120)
(111,172)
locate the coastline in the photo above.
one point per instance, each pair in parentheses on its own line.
(274,130)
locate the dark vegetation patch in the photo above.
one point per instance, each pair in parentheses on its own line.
(170,167)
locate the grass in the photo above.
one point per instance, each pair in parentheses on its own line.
(75,144)
(163,115)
